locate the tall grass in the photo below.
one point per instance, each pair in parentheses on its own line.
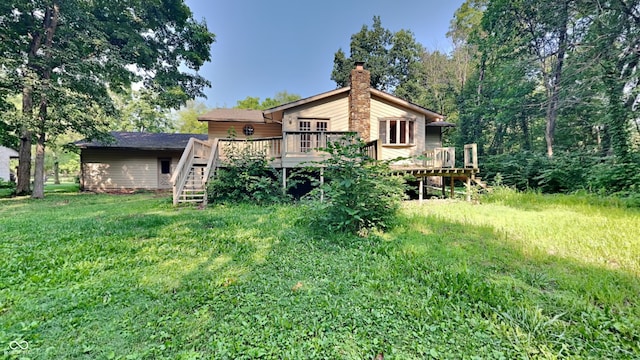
(132,277)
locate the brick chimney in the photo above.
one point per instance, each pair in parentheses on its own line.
(360,101)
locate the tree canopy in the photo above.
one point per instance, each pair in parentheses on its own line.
(394,60)
(548,89)
(254,103)
(186,119)
(65,57)
(557,78)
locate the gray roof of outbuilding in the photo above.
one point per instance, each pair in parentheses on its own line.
(142,141)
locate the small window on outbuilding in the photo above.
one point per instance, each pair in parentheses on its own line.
(165,166)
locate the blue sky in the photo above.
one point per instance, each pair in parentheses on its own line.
(264,47)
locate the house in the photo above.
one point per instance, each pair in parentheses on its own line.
(292,133)
(6,154)
(132,160)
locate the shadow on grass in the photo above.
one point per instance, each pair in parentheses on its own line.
(133,276)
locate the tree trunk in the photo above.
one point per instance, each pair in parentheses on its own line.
(56,170)
(617,121)
(552,107)
(23,187)
(50,23)
(526,137)
(477,127)
(38,177)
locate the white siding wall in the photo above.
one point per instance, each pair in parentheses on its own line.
(5,154)
(116,169)
(381,109)
(335,108)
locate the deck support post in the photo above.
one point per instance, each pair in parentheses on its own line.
(421,190)
(284,178)
(469,188)
(452,188)
(321,185)
(444,186)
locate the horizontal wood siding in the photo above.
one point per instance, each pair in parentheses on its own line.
(335,108)
(4,163)
(105,170)
(381,109)
(219,129)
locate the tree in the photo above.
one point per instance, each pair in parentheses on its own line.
(441,86)
(545,31)
(253,103)
(186,119)
(65,57)
(392,58)
(139,111)
(615,45)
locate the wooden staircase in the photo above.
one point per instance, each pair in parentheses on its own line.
(190,177)
(478,181)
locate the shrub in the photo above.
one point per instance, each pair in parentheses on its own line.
(359,193)
(614,177)
(246,178)
(566,172)
(7,184)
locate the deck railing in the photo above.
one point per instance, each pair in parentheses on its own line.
(302,142)
(440,157)
(371,149)
(471,156)
(270,147)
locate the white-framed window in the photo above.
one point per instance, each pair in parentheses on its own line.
(312,140)
(397,131)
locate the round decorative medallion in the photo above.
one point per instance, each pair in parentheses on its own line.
(248,130)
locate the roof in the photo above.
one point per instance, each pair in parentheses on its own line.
(241,115)
(269,113)
(404,103)
(304,101)
(142,141)
(441,123)
(275,113)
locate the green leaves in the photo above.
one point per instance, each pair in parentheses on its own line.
(392,58)
(245,178)
(64,58)
(360,193)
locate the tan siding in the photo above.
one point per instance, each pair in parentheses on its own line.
(218,129)
(382,109)
(117,169)
(334,108)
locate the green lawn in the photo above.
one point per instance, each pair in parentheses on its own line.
(130,276)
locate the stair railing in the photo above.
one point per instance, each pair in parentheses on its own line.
(194,147)
(212,163)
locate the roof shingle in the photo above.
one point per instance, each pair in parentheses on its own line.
(142,141)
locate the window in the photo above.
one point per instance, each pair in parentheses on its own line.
(248,130)
(312,141)
(165,166)
(397,131)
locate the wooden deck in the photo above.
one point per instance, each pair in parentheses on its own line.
(296,149)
